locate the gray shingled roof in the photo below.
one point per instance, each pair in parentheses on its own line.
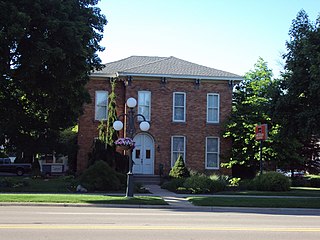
(162,67)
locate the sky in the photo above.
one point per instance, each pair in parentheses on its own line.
(229,35)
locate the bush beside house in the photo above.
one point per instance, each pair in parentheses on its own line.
(101,177)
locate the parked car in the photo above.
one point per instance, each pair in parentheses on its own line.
(18,168)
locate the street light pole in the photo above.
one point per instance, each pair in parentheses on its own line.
(118,125)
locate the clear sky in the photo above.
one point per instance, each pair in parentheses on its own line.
(228,35)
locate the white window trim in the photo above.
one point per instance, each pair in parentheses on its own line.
(149,117)
(218,157)
(218,112)
(184,107)
(184,149)
(96,106)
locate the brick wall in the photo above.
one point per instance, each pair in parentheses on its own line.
(195,129)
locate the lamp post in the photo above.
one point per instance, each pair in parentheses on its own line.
(118,125)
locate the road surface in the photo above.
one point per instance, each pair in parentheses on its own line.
(80,223)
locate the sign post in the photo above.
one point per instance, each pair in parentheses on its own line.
(261,133)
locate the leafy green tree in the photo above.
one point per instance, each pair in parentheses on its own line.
(47,50)
(298,109)
(251,105)
(301,81)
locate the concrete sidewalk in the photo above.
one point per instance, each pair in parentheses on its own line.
(174,200)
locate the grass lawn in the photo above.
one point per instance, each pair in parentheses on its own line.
(80,198)
(312,202)
(295,191)
(27,184)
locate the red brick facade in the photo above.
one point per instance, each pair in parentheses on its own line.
(195,128)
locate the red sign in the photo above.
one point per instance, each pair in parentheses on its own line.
(261,132)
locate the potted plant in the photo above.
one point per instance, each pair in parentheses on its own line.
(124,143)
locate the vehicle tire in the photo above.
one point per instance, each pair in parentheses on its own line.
(20,171)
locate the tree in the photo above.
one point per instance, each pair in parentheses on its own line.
(107,133)
(251,105)
(301,80)
(179,169)
(298,109)
(47,50)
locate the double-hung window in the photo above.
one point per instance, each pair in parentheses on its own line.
(101,105)
(178,147)
(212,153)
(144,105)
(179,107)
(213,105)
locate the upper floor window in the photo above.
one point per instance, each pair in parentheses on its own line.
(101,105)
(213,103)
(179,107)
(212,153)
(144,105)
(178,147)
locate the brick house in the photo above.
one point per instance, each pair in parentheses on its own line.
(185,103)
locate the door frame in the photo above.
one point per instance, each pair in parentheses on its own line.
(152,151)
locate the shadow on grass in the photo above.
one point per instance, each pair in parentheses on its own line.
(131,201)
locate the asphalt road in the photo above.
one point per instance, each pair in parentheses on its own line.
(79,223)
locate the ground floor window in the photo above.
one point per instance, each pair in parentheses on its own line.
(178,147)
(212,153)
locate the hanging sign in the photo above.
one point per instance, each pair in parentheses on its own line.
(261,132)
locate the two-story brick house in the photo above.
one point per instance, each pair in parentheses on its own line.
(185,103)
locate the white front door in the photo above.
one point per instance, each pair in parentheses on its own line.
(143,154)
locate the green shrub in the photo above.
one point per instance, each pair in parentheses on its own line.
(218,183)
(314,181)
(179,169)
(246,184)
(271,181)
(6,182)
(198,183)
(173,184)
(101,177)
(234,182)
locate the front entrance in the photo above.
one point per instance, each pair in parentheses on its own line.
(143,154)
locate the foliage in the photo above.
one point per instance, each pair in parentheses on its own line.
(271,181)
(112,115)
(47,51)
(218,183)
(251,105)
(314,181)
(68,146)
(107,133)
(100,177)
(298,109)
(179,169)
(234,182)
(173,184)
(114,159)
(198,183)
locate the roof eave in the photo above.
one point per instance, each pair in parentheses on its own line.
(181,76)
(100,74)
